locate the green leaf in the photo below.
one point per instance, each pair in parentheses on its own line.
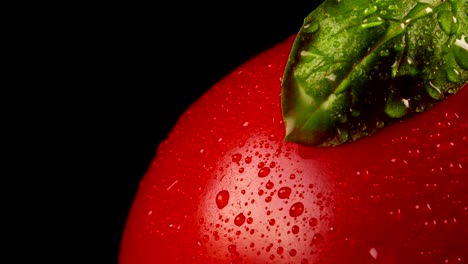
(358,66)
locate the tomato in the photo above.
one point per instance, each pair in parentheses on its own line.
(224,187)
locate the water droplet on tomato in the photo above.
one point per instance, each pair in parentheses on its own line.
(269,185)
(201,188)
(272,137)
(222,199)
(296,209)
(174,227)
(284,192)
(232,248)
(272,222)
(236,157)
(313,222)
(248,160)
(239,220)
(455,168)
(249,220)
(263,172)
(317,239)
(295,229)
(292,252)
(280,250)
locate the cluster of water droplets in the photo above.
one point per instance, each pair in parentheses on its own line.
(274,211)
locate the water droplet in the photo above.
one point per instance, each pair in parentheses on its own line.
(248,160)
(280,250)
(271,222)
(263,172)
(296,209)
(269,185)
(434,91)
(384,52)
(239,220)
(461,52)
(313,222)
(317,239)
(295,229)
(232,248)
(236,157)
(174,227)
(292,252)
(284,192)
(206,238)
(249,220)
(370,10)
(222,199)
(272,137)
(312,27)
(445,19)
(380,124)
(452,75)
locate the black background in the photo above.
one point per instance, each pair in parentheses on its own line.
(135,69)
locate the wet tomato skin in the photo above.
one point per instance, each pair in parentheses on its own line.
(225,188)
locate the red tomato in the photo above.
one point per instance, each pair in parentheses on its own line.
(225,188)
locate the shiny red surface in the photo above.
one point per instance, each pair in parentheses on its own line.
(224,187)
